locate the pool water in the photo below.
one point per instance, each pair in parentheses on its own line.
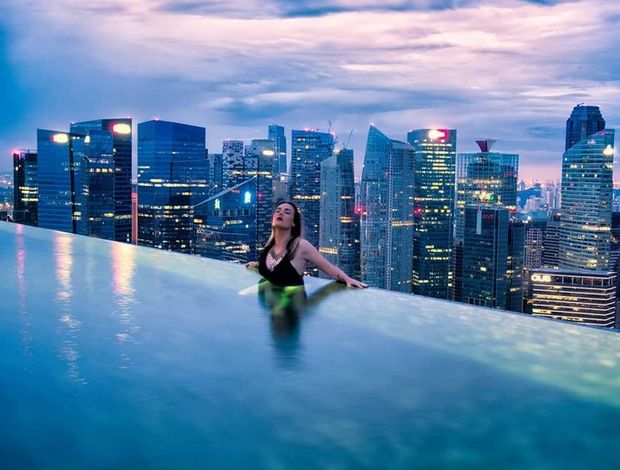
(119,356)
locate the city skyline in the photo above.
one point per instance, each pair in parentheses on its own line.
(237,68)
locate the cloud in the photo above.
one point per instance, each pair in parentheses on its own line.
(501,68)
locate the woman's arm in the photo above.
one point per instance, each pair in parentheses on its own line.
(312,255)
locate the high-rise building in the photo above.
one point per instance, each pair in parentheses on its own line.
(216,173)
(514,265)
(226,224)
(309,149)
(583,121)
(276,133)
(56,180)
(435,161)
(233,163)
(485,178)
(94,170)
(339,239)
(172,178)
(386,205)
(614,247)
(25,187)
(578,295)
(587,191)
(551,240)
(485,255)
(119,132)
(260,156)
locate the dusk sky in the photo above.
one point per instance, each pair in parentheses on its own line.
(510,70)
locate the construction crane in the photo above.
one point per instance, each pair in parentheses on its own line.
(346,144)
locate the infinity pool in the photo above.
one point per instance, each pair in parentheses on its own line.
(118,356)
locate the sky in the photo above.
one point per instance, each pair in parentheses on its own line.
(510,70)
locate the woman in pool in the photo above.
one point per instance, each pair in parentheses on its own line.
(284,259)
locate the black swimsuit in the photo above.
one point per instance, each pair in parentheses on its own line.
(284,274)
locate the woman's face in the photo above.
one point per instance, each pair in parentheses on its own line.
(283,216)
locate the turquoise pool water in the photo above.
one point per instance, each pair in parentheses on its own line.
(119,356)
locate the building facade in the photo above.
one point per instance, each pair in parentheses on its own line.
(172,179)
(276,134)
(435,162)
(578,295)
(386,209)
(233,163)
(339,240)
(25,187)
(583,121)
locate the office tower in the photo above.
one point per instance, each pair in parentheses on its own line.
(226,224)
(457,269)
(94,176)
(339,240)
(551,240)
(56,179)
(276,133)
(614,246)
(435,161)
(281,188)
(216,174)
(534,239)
(25,187)
(120,133)
(260,156)
(514,265)
(583,122)
(233,163)
(485,178)
(587,189)
(485,253)
(172,178)
(579,295)
(309,149)
(386,196)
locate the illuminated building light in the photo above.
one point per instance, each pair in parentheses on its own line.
(121,128)
(268,153)
(329,251)
(217,204)
(247,197)
(60,138)
(87,139)
(435,134)
(609,151)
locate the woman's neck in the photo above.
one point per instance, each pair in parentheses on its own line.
(281,237)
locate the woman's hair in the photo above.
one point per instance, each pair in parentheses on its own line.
(296,229)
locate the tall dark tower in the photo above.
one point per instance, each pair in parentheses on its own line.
(583,121)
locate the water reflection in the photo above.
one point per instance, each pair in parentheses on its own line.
(287,306)
(69,325)
(123,267)
(26,319)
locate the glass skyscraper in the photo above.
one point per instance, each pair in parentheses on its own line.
(172,178)
(339,239)
(435,162)
(587,192)
(276,133)
(117,135)
(386,196)
(233,163)
(485,178)
(260,156)
(309,149)
(583,121)
(56,180)
(226,224)
(25,187)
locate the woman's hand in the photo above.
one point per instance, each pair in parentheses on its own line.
(252,265)
(350,282)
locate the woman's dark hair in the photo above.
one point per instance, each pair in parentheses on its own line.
(296,229)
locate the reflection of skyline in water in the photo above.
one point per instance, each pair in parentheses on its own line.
(69,326)
(26,319)
(123,267)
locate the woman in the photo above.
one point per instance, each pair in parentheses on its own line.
(284,259)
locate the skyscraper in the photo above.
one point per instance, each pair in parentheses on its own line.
(56,180)
(260,157)
(216,173)
(583,121)
(309,149)
(226,224)
(119,132)
(172,178)
(551,240)
(233,163)
(25,187)
(587,191)
(485,178)
(339,239)
(276,133)
(386,196)
(435,161)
